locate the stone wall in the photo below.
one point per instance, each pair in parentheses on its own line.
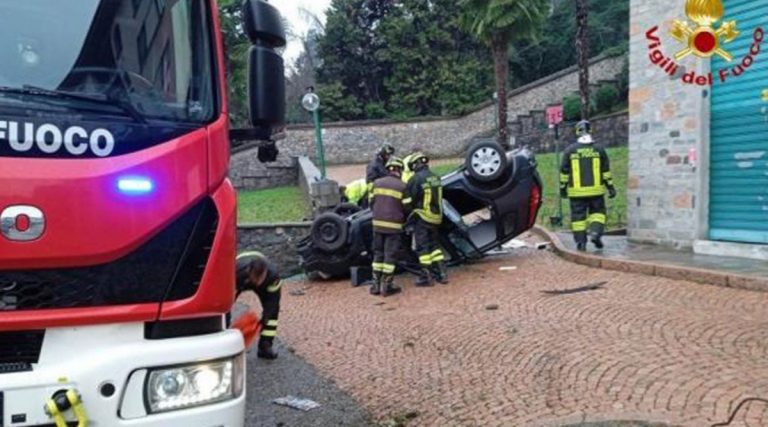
(277,241)
(355,142)
(248,173)
(667,120)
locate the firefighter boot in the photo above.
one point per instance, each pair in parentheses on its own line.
(265,350)
(596,239)
(424,278)
(376,284)
(440,273)
(388,286)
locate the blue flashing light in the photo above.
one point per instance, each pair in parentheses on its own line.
(135,185)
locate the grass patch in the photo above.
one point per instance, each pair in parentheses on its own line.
(281,204)
(549,171)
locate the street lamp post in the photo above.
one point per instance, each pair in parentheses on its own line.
(311,103)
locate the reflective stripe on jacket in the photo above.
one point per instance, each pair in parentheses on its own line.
(425,194)
(387,205)
(585,170)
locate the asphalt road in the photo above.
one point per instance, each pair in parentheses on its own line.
(291,375)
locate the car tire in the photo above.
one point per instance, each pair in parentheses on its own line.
(346,209)
(486,161)
(329,232)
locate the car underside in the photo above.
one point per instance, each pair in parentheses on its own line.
(494,197)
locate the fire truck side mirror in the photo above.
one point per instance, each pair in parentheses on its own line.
(266,73)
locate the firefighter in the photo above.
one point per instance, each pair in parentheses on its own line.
(256,273)
(388,222)
(424,197)
(585,174)
(407,172)
(377,168)
(354,192)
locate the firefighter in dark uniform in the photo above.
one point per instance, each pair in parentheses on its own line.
(585,174)
(424,197)
(388,223)
(376,169)
(256,273)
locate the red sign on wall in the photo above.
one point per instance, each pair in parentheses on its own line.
(555,114)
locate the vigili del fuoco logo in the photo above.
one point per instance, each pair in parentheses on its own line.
(704,40)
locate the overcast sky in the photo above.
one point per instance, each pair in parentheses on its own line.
(290,10)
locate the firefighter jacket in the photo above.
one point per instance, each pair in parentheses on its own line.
(355,191)
(271,282)
(424,194)
(387,205)
(585,171)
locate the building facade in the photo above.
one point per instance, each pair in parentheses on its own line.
(698,125)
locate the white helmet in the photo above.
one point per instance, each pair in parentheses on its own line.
(586,139)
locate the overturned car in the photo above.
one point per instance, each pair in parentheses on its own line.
(494,197)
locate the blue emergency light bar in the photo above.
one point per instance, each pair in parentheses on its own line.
(135,185)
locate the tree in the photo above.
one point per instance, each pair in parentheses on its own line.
(236,45)
(582,50)
(497,23)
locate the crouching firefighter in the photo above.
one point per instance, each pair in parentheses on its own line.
(388,222)
(585,174)
(424,196)
(256,273)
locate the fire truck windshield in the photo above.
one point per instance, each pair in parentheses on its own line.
(141,61)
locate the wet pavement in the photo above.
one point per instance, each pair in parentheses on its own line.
(290,375)
(617,247)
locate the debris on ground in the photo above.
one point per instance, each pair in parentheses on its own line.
(541,245)
(508,268)
(297,292)
(592,287)
(514,244)
(296,403)
(492,307)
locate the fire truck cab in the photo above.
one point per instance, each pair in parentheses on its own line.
(117,220)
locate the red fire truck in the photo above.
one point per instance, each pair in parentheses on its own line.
(118,221)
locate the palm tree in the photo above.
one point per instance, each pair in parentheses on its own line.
(582,50)
(497,23)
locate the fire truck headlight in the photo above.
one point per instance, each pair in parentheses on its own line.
(180,387)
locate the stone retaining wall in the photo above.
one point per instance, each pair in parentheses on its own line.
(353,142)
(277,241)
(248,173)
(610,131)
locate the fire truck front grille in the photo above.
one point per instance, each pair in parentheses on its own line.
(170,264)
(19,348)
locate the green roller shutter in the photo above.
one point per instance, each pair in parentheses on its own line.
(738,209)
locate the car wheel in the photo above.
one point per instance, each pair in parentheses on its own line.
(346,209)
(329,232)
(486,161)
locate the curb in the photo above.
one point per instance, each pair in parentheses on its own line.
(669,271)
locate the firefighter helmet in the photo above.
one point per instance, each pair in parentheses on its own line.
(394,163)
(417,158)
(386,150)
(583,127)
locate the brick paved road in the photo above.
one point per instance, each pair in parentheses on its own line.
(642,348)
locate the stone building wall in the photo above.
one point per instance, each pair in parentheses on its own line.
(668,121)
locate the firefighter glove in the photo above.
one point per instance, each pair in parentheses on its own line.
(611,192)
(564,192)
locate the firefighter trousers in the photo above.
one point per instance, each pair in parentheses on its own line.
(587,213)
(269,297)
(427,243)
(385,251)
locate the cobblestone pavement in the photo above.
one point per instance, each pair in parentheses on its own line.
(640,348)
